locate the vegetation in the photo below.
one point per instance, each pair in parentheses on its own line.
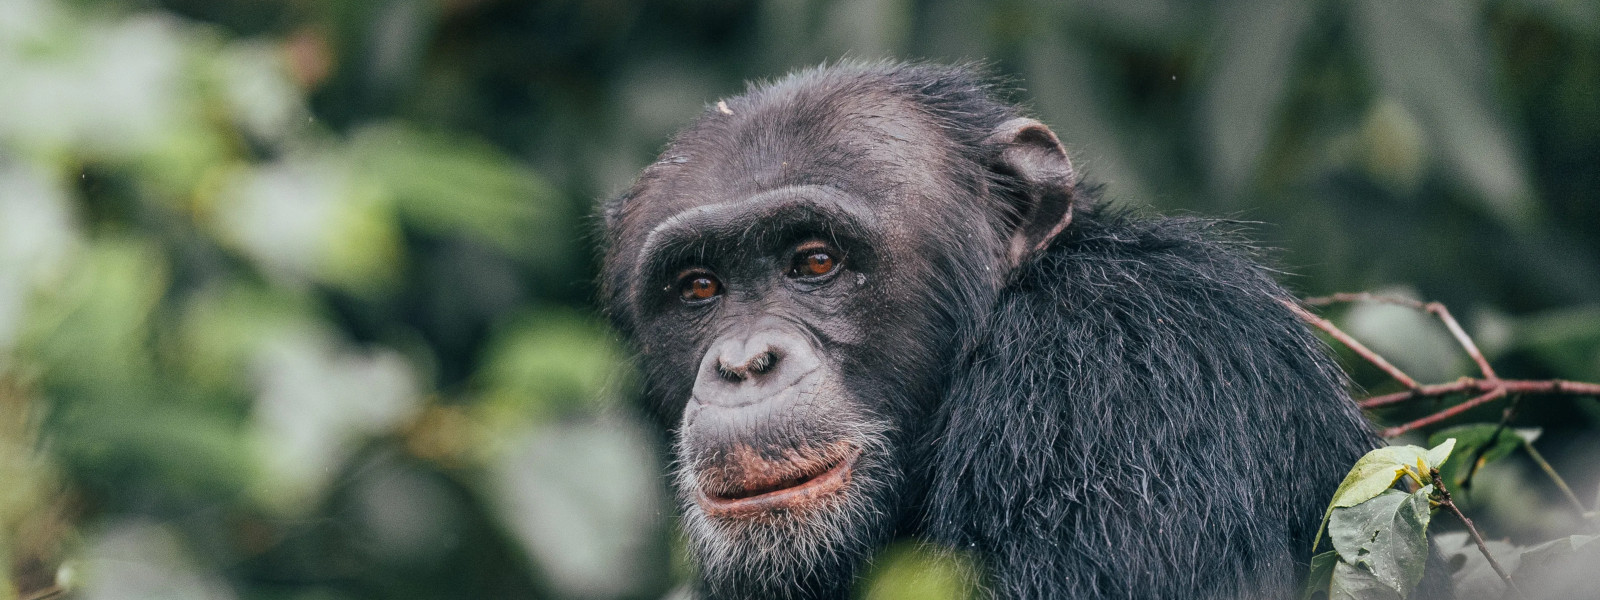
(296,297)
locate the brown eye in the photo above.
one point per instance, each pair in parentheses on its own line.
(696,287)
(813,261)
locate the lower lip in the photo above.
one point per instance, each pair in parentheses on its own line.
(813,491)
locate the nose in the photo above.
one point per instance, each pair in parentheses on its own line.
(747,369)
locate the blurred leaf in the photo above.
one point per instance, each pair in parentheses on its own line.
(315,401)
(454,186)
(306,219)
(549,363)
(1386,535)
(1411,339)
(1471,573)
(37,233)
(107,89)
(91,329)
(161,449)
(1560,568)
(913,571)
(1568,339)
(223,329)
(583,499)
(1392,146)
(139,559)
(1255,47)
(1433,58)
(258,90)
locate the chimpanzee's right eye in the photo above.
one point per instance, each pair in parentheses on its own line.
(698,286)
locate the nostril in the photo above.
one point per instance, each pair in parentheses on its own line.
(733,375)
(762,363)
(759,365)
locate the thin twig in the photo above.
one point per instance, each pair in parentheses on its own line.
(1488,389)
(54,591)
(1492,395)
(1470,385)
(1583,513)
(1353,344)
(1435,308)
(1447,502)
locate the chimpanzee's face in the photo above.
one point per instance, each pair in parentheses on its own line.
(795,274)
(790,301)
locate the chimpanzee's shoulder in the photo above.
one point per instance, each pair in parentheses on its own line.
(1115,249)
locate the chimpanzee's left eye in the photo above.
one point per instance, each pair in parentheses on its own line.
(813,259)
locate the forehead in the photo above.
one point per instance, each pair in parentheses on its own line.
(868,143)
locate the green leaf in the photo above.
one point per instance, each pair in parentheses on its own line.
(1355,583)
(452,185)
(1321,574)
(1387,535)
(1439,453)
(1377,472)
(1476,439)
(908,571)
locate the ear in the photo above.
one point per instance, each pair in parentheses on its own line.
(1027,150)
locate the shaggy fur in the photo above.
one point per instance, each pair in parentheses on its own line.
(1129,413)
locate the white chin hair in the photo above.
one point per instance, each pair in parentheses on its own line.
(775,549)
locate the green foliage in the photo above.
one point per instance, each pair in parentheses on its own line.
(1386,537)
(1379,534)
(1378,471)
(910,571)
(287,287)
(1477,445)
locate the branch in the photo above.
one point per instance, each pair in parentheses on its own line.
(1489,388)
(1351,342)
(1436,308)
(1494,394)
(1447,502)
(1477,386)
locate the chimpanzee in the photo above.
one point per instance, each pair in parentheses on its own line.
(874,301)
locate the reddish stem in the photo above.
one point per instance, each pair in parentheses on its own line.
(1353,344)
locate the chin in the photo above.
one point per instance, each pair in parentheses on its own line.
(795,525)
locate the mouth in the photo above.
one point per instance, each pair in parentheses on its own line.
(812,486)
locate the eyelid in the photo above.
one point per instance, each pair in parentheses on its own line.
(814,245)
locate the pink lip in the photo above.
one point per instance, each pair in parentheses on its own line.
(787,494)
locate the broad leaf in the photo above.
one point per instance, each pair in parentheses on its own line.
(1321,574)
(1387,535)
(1473,440)
(1355,583)
(1378,471)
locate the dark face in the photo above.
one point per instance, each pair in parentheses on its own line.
(795,290)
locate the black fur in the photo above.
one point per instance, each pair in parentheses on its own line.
(1129,413)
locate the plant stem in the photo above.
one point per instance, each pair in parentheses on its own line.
(1447,502)
(1583,513)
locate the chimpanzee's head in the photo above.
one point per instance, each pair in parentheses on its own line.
(796,274)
